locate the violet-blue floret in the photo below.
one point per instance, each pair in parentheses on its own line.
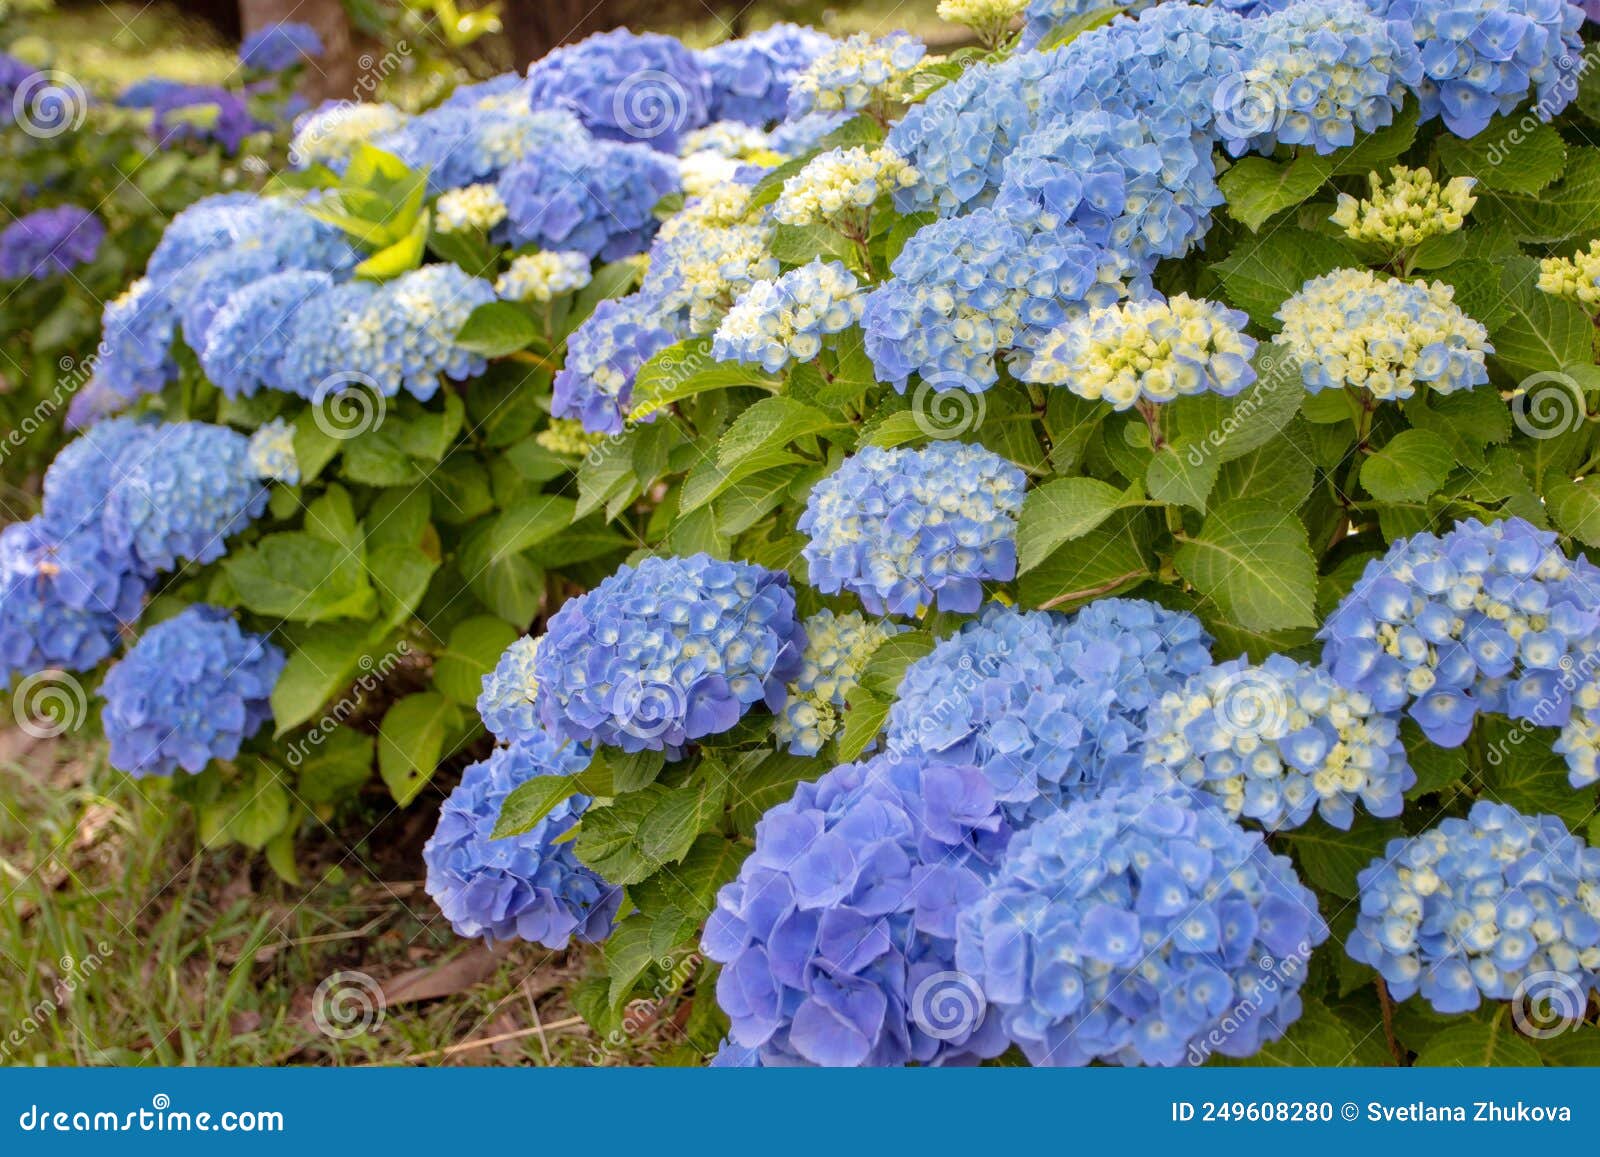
(595,197)
(604,355)
(280,46)
(626,86)
(404,336)
(750,76)
(247,342)
(47,242)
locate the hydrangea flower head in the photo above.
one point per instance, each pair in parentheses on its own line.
(1129,930)
(1576,278)
(1407,211)
(204,113)
(798,136)
(280,46)
(1356,328)
(544,276)
(318,359)
(697,269)
(1483,618)
(13,75)
(271,453)
(856,73)
(905,529)
(469,207)
(598,198)
(1320,71)
(136,330)
(751,76)
(1472,908)
(604,354)
(1050,708)
(1148,351)
(506,705)
(840,187)
(528,887)
(837,649)
(192,689)
(405,337)
(331,133)
(667,652)
(49,241)
(1483,57)
(776,322)
(989,20)
(1279,741)
(837,938)
(470,146)
(247,342)
(84,470)
(626,86)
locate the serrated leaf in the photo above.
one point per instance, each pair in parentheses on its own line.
(301,578)
(1411,466)
(1492,1044)
(1264,271)
(411,741)
(1059,511)
(862,724)
(1522,163)
(1575,508)
(627,955)
(1111,558)
(475,646)
(1181,475)
(884,671)
(1252,557)
(684,370)
(1331,858)
(1257,189)
(1539,332)
(1562,212)
(531,800)
(755,442)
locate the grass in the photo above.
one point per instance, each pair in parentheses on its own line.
(123,943)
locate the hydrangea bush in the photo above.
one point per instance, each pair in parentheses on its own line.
(1072,551)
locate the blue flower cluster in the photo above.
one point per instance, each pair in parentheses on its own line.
(667,652)
(1279,741)
(856,73)
(192,689)
(595,197)
(776,322)
(1318,71)
(316,360)
(528,887)
(966,289)
(1483,618)
(460,146)
(280,46)
(838,647)
(837,939)
(696,270)
(204,113)
(1134,929)
(1484,57)
(797,136)
(13,75)
(903,529)
(510,692)
(404,335)
(604,354)
(49,241)
(1474,907)
(247,343)
(626,86)
(751,76)
(1051,708)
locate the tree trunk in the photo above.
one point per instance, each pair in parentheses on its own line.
(534,27)
(333,77)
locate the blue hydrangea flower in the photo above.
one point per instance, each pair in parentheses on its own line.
(1316,73)
(667,652)
(1129,188)
(77,482)
(13,75)
(211,282)
(50,241)
(247,341)
(271,453)
(280,46)
(837,939)
(604,354)
(318,359)
(506,705)
(904,529)
(1051,708)
(856,73)
(776,322)
(799,135)
(543,276)
(63,598)
(1278,741)
(597,198)
(751,76)
(404,336)
(1137,930)
(1475,907)
(626,86)
(192,689)
(204,113)
(732,1056)
(528,887)
(470,146)
(837,649)
(966,289)
(697,269)
(144,92)
(1485,57)
(1483,618)
(180,494)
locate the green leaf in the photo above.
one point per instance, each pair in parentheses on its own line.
(1059,511)
(1410,467)
(1331,858)
(322,661)
(1377,151)
(684,370)
(1437,768)
(1318,1038)
(668,829)
(691,886)
(531,800)
(886,668)
(1575,508)
(1111,558)
(1229,428)
(1506,156)
(1281,472)
(531,522)
(475,646)
(862,723)
(1492,1044)
(255,809)
(1563,212)
(331,763)
(497,328)
(627,955)
(401,257)
(411,741)
(1252,557)
(1520,769)
(1257,189)
(1264,271)
(301,578)
(755,442)
(772,782)
(1181,475)
(1540,332)
(510,585)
